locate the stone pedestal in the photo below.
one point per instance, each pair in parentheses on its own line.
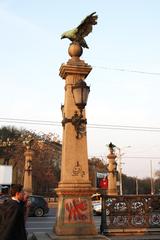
(74,215)
(112,173)
(27,185)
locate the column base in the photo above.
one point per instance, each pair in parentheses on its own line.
(75,214)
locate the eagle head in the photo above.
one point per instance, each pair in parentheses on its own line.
(63,36)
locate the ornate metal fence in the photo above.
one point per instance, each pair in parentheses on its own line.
(130,213)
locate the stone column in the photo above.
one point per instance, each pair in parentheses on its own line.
(112,173)
(74,215)
(27,185)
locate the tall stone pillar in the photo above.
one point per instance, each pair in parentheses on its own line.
(74,215)
(27,185)
(112,172)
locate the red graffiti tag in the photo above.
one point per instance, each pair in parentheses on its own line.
(76,208)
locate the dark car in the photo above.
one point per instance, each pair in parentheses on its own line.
(3,198)
(38,206)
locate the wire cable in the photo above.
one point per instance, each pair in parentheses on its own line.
(127,70)
(96,126)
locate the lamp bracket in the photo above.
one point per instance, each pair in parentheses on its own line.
(78,122)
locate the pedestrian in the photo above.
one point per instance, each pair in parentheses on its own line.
(12,215)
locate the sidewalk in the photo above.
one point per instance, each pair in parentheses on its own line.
(146,237)
(45,236)
(52,236)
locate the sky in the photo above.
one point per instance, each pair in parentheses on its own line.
(124,53)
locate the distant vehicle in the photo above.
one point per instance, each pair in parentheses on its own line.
(96,203)
(3,198)
(38,206)
(97,208)
(96,198)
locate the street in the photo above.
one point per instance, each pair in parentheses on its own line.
(41,224)
(45,224)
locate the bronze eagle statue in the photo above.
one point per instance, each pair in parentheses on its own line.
(79,33)
(111,145)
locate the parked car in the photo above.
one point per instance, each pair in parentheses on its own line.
(38,206)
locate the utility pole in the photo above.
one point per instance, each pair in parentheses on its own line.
(137,186)
(120,154)
(152,180)
(120,173)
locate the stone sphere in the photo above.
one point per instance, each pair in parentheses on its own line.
(75,50)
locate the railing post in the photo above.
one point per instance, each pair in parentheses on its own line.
(103,225)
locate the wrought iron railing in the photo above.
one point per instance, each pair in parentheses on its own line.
(139,213)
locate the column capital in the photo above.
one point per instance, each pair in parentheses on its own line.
(111,156)
(74,69)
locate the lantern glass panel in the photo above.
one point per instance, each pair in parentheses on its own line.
(85,94)
(77,95)
(80,93)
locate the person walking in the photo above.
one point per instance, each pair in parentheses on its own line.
(12,217)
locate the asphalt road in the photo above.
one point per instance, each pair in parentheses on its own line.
(46,223)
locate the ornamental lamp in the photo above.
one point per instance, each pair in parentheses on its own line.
(80,93)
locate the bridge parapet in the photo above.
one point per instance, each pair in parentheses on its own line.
(136,214)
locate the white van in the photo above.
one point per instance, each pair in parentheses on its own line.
(96,203)
(96,198)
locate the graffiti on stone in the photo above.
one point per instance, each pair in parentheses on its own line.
(76,210)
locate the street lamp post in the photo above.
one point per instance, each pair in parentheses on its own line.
(27,182)
(112,170)
(74,215)
(120,173)
(137,190)
(103,190)
(120,154)
(152,180)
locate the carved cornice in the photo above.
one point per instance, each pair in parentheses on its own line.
(70,69)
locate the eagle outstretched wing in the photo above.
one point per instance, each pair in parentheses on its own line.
(85,27)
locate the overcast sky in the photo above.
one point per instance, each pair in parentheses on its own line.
(124,51)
